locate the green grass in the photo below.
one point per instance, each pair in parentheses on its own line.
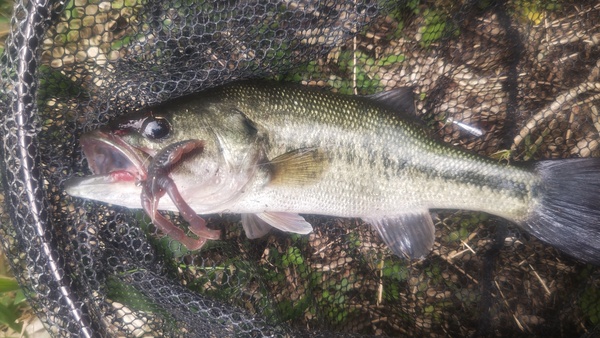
(13,304)
(5,14)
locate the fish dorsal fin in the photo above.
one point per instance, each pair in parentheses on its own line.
(410,235)
(298,167)
(254,226)
(286,222)
(401,100)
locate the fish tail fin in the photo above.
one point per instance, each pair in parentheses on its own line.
(567,214)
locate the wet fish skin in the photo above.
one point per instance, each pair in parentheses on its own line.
(374,156)
(273,151)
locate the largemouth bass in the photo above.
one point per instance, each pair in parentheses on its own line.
(271,151)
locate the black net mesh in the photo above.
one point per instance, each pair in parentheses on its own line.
(515,80)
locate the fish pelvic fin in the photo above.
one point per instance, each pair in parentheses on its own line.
(298,167)
(409,235)
(254,226)
(567,212)
(286,222)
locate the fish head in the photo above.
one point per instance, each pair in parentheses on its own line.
(120,153)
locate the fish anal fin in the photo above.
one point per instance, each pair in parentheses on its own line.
(254,226)
(298,167)
(409,235)
(286,222)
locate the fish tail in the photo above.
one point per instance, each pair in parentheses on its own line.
(567,212)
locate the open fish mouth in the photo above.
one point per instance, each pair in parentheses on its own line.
(118,170)
(108,155)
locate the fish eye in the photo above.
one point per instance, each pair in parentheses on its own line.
(155,128)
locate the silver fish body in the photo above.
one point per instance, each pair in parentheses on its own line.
(274,151)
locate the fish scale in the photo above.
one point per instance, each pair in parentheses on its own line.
(397,152)
(272,151)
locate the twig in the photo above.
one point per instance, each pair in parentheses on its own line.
(380,284)
(541,280)
(595,118)
(354,66)
(458,253)
(569,131)
(553,110)
(449,261)
(594,73)
(508,307)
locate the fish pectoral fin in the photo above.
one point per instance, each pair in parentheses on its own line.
(286,222)
(298,167)
(410,235)
(254,226)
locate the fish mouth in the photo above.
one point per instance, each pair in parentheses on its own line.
(108,155)
(117,167)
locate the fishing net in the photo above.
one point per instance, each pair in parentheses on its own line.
(514,80)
